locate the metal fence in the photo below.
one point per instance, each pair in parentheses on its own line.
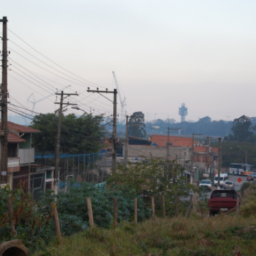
(81,167)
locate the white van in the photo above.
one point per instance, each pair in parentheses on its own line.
(223,178)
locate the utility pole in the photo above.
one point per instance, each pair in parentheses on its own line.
(43,140)
(4,94)
(219,162)
(114,144)
(168,142)
(208,152)
(126,141)
(246,156)
(57,147)
(192,153)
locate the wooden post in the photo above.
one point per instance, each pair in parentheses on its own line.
(237,205)
(56,222)
(177,206)
(90,213)
(163,206)
(12,222)
(189,207)
(115,213)
(135,212)
(153,207)
(195,202)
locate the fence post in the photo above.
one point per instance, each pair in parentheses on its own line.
(195,202)
(10,209)
(153,207)
(56,222)
(177,206)
(237,205)
(163,206)
(135,211)
(90,213)
(115,213)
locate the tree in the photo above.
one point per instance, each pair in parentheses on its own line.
(136,125)
(153,177)
(241,130)
(78,134)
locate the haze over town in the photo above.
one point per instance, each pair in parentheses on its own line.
(164,53)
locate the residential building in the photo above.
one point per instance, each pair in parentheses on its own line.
(21,158)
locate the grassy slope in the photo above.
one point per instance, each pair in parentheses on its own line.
(222,235)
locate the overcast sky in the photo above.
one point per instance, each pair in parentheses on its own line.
(164,53)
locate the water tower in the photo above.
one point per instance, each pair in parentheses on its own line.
(183,111)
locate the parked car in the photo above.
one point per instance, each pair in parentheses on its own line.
(223,178)
(250,178)
(254,175)
(205,184)
(225,174)
(222,201)
(229,184)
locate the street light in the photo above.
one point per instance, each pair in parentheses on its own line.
(77,108)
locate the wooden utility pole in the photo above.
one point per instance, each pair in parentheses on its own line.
(168,142)
(208,152)
(43,141)
(4,95)
(126,141)
(57,147)
(219,162)
(114,139)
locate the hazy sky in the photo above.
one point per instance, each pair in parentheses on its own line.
(163,52)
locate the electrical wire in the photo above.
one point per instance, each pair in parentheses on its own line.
(91,83)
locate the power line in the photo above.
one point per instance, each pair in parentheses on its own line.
(93,84)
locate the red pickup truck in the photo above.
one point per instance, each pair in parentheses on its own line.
(222,200)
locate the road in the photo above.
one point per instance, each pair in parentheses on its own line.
(233,178)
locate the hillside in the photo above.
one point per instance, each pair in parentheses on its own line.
(220,235)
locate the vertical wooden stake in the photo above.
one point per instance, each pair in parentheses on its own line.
(90,213)
(195,203)
(177,206)
(153,207)
(115,213)
(135,212)
(10,209)
(56,222)
(163,206)
(237,205)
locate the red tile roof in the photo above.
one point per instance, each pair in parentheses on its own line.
(14,138)
(176,141)
(21,128)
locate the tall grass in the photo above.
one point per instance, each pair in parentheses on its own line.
(222,235)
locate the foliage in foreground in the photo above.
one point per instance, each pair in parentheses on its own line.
(32,221)
(154,177)
(73,211)
(196,236)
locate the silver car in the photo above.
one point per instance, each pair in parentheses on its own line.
(229,185)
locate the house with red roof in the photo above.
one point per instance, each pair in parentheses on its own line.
(203,156)
(21,158)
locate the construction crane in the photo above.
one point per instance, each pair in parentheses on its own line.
(34,100)
(122,101)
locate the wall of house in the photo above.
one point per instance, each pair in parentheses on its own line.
(182,153)
(27,143)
